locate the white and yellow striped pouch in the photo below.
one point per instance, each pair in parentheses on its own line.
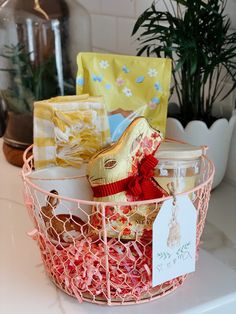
(68,130)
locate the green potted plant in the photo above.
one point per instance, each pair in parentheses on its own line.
(196,35)
(28,82)
(40,41)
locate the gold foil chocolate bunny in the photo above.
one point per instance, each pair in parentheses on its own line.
(124,172)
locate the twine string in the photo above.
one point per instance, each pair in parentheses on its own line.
(172,191)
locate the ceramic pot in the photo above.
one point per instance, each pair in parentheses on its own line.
(18,136)
(19,130)
(217,138)
(231,169)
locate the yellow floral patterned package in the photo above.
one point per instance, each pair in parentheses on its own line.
(131,86)
(69,130)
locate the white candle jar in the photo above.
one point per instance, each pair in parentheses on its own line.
(179,164)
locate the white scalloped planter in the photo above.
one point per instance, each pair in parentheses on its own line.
(217,138)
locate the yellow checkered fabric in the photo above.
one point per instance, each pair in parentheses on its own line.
(69,130)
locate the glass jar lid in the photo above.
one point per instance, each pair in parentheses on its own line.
(178,151)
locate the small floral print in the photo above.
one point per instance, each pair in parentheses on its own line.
(104,64)
(163,172)
(125,69)
(108,86)
(138,154)
(157,86)
(152,72)
(156,100)
(127,92)
(126,209)
(126,231)
(80,81)
(123,219)
(114,217)
(140,79)
(109,211)
(152,105)
(120,81)
(147,145)
(155,135)
(97,78)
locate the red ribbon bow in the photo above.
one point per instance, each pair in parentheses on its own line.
(142,185)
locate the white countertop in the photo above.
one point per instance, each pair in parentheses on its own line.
(25,289)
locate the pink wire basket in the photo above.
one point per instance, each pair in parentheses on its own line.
(80,257)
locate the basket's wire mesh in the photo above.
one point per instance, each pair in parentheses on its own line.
(84,261)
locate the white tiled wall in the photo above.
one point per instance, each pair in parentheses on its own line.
(104,32)
(125,8)
(112,24)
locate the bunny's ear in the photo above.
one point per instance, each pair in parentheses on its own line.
(134,134)
(53,201)
(136,142)
(140,132)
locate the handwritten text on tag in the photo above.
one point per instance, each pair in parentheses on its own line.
(174,240)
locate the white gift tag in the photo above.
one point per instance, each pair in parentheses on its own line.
(174,240)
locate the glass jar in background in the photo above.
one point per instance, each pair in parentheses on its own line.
(179,164)
(39,41)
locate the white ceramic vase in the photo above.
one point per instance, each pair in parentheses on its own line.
(217,138)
